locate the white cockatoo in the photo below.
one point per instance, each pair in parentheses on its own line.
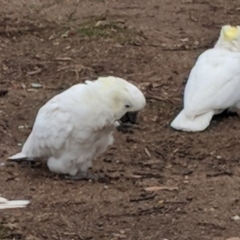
(213,84)
(6,204)
(76,126)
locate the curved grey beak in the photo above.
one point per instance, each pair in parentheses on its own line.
(130,117)
(126,122)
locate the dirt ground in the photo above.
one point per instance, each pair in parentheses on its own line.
(165,185)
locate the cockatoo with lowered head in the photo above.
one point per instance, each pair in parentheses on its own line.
(213,84)
(76,126)
(6,204)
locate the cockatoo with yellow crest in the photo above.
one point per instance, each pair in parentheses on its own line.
(213,84)
(73,128)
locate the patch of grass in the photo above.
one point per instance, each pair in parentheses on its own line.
(92,32)
(107,30)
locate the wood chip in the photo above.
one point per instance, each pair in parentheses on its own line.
(38,70)
(134,176)
(155,98)
(147,152)
(160,188)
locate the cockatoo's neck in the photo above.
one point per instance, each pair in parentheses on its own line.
(232,46)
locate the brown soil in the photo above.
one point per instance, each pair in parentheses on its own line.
(154,44)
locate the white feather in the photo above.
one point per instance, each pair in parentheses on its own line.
(6,204)
(18,156)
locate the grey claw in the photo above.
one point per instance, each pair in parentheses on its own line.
(20,160)
(84,176)
(125,128)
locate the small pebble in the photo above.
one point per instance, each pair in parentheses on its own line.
(235,218)
(36,85)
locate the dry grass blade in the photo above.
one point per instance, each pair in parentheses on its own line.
(160,188)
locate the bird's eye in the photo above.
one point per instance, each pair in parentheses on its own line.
(127,106)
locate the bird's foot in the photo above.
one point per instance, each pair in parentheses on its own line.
(230,112)
(84,176)
(25,162)
(125,128)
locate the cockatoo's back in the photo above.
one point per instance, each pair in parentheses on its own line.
(213,86)
(75,113)
(213,82)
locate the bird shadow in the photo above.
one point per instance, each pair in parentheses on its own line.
(225,114)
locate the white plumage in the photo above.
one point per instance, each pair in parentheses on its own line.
(6,204)
(76,126)
(213,84)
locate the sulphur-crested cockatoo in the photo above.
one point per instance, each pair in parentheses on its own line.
(213,84)
(5,204)
(76,126)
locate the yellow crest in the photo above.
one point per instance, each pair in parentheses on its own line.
(229,32)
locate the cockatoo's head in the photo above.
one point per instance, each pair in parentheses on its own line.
(229,38)
(123,98)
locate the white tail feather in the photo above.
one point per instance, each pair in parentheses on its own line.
(197,124)
(18,156)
